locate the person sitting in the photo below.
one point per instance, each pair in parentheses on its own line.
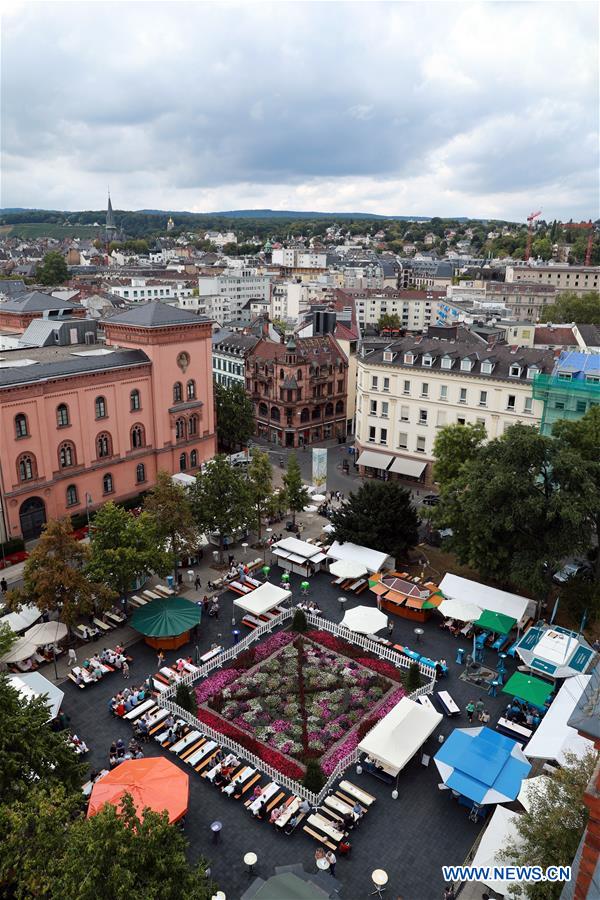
(79,678)
(180,665)
(275,813)
(112,761)
(348,821)
(257,792)
(304,807)
(129,704)
(261,809)
(169,721)
(86,664)
(139,753)
(357,811)
(179,729)
(344,846)
(97,673)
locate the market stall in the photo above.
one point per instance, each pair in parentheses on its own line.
(398,736)
(298,556)
(555,652)
(166,622)
(373,560)
(262,599)
(404,596)
(485,597)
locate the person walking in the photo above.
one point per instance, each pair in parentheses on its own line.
(72,657)
(479,707)
(198,583)
(161,659)
(331,859)
(125,669)
(449,893)
(3,585)
(470,709)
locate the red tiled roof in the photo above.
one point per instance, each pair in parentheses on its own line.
(546,335)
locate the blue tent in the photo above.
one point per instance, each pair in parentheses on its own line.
(482,765)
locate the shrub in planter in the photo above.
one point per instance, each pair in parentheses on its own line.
(245,660)
(413,679)
(185,698)
(314,778)
(299,622)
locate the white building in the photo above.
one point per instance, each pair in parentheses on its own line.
(229,351)
(415,309)
(567,278)
(222,297)
(219,238)
(411,388)
(140,290)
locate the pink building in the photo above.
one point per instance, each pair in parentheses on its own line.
(81,424)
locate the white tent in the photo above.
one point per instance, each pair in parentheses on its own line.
(183,478)
(395,740)
(455,587)
(553,737)
(530,787)
(347,568)
(298,556)
(20,650)
(32,684)
(46,633)
(460,609)
(18,621)
(500,830)
(262,599)
(373,560)
(365,619)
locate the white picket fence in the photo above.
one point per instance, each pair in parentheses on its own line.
(401,662)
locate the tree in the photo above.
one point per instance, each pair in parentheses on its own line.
(260,486)
(549,831)
(170,511)
(299,622)
(185,698)
(54,577)
(569,307)
(510,518)
(389,321)
(542,247)
(7,638)
(379,515)
(235,416)
(314,778)
(454,446)
(413,677)
(296,494)
(53,269)
(221,500)
(50,849)
(29,750)
(124,548)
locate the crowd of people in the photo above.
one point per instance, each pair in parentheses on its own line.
(128,699)
(118,752)
(477,709)
(522,713)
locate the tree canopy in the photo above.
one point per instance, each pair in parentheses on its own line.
(379,515)
(220,500)
(235,416)
(260,486)
(584,310)
(54,577)
(170,514)
(455,445)
(53,269)
(296,495)
(389,321)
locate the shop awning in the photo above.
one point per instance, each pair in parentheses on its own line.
(414,468)
(374,460)
(528,688)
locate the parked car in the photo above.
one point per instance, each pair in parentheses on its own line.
(571,570)
(431,500)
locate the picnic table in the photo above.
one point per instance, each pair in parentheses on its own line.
(290,809)
(447,703)
(268,792)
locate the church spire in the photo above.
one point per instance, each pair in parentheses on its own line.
(110,228)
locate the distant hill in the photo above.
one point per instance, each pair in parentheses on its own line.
(240,214)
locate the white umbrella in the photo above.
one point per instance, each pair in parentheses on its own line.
(32,684)
(310,509)
(530,788)
(319,498)
(347,568)
(459,609)
(46,633)
(365,619)
(18,621)
(22,649)
(329,528)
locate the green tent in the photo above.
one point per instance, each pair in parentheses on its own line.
(528,688)
(494,621)
(166,617)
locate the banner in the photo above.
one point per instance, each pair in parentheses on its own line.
(319,467)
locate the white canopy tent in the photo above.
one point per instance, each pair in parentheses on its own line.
(298,556)
(365,619)
(20,650)
(500,830)
(395,740)
(457,588)
(32,684)
(553,737)
(530,787)
(18,621)
(347,568)
(460,609)
(262,599)
(373,560)
(183,478)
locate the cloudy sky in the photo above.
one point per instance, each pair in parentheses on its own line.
(485,109)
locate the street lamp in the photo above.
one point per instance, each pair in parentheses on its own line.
(88,503)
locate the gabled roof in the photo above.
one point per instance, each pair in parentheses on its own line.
(35,301)
(156,314)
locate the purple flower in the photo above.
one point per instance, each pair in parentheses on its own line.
(215,683)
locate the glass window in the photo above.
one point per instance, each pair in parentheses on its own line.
(374,382)
(483,398)
(443,392)
(373,407)
(420,445)
(27,467)
(386,384)
(135,400)
(404,413)
(528,405)
(406,388)
(383,436)
(193,459)
(103,445)
(384,409)
(402,440)
(191,387)
(138,437)
(422,417)
(21,425)
(100,407)
(371,434)
(140,473)
(72,498)
(425,389)
(193,425)
(180,429)
(183,462)
(107,484)
(62,415)
(66,455)
(177,392)
(510,402)
(462,397)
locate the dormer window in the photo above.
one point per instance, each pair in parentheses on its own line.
(487,367)
(447,362)
(564,376)
(427,360)
(409,358)
(515,371)
(388,356)
(532,371)
(466,364)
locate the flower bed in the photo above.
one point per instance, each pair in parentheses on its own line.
(338,645)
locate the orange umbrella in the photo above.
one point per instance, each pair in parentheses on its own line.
(156,783)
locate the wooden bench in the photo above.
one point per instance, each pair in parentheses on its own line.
(103,626)
(319,837)
(350,801)
(250,622)
(204,762)
(115,618)
(137,601)
(150,595)
(191,749)
(241,790)
(277,798)
(362,796)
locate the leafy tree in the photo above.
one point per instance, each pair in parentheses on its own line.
(454,446)
(7,638)
(221,500)
(260,486)
(50,849)
(314,778)
(29,750)
(390,321)
(124,548)
(54,577)
(550,831)
(413,677)
(379,515)
(53,269)
(299,622)
(170,514)
(510,518)
(235,416)
(185,698)
(296,494)
(542,247)
(569,307)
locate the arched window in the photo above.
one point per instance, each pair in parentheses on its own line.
(72,498)
(329,409)
(304,415)
(191,389)
(281,374)
(26,467)
(177,392)
(275,414)
(107,484)
(339,406)
(135,402)
(183,462)
(180,429)
(299,375)
(138,436)
(66,455)
(21,425)
(100,407)
(193,459)
(192,425)
(263,409)
(62,415)
(140,473)
(103,445)
(316,413)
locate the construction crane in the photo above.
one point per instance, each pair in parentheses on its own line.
(530,220)
(588,225)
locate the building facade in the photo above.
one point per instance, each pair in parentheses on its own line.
(223,297)
(411,388)
(80,425)
(415,309)
(579,279)
(299,390)
(229,354)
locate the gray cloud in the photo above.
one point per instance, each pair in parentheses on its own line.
(475,109)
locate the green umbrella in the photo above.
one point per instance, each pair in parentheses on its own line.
(266,570)
(494,621)
(528,688)
(285,577)
(166,617)
(305,585)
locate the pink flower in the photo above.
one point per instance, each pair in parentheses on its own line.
(215,683)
